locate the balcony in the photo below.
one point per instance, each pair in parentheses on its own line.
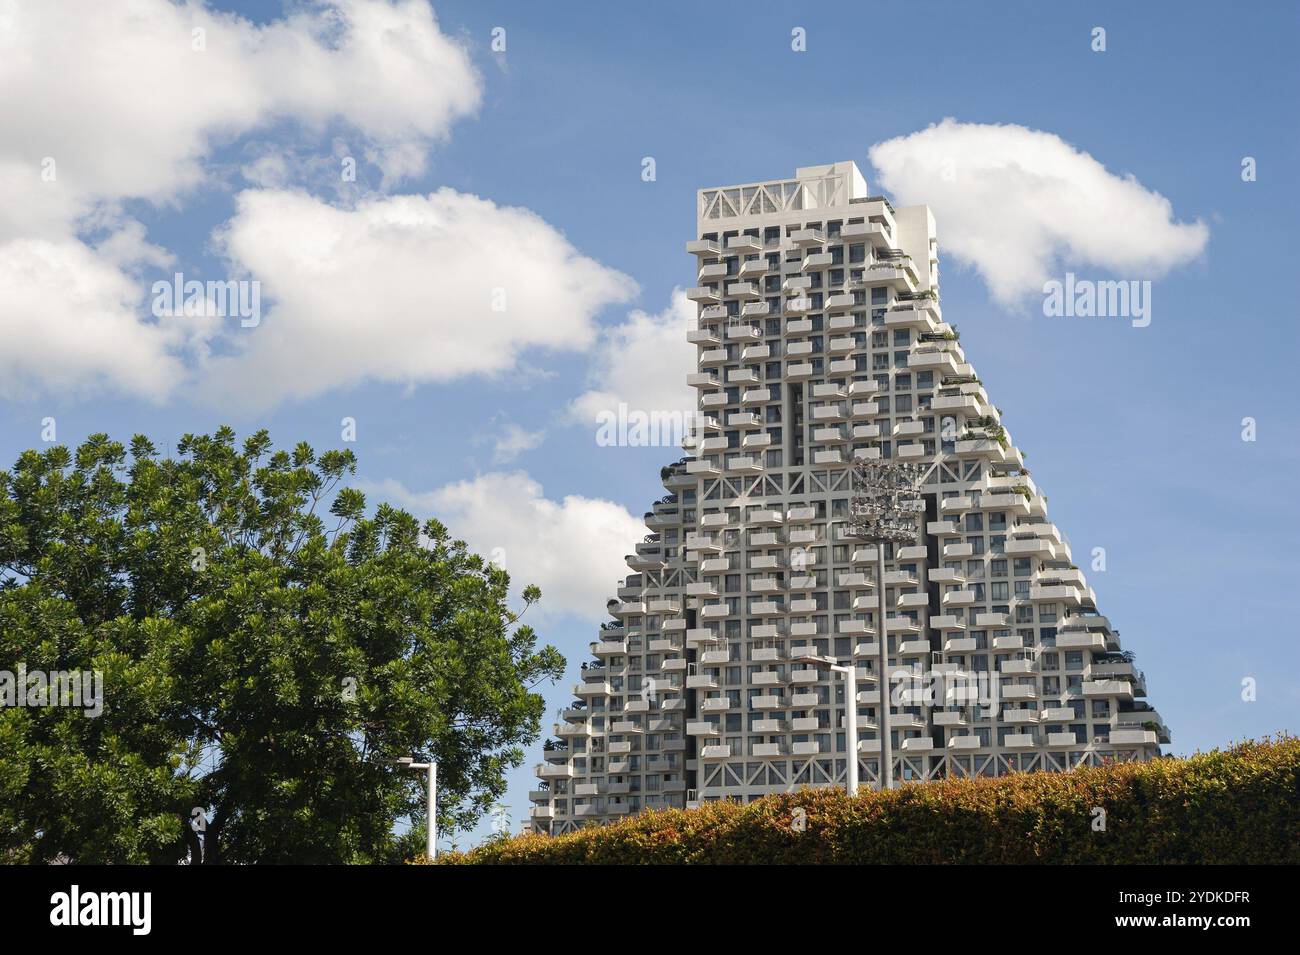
(910,315)
(1058,714)
(1107,689)
(939,360)
(704,294)
(1133,737)
(917,744)
(714,356)
(808,238)
(959,598)
(1031,547)
(715,752)
(553,770)
(704,247)
(875,233)
(744,243)
(1068,594)
(1019,691)
(981,448)
(912,601)
(832,458)
(1080,640)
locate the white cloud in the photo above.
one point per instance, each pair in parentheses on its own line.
(1019,204)
(643,364)
(68,323)
(403,289)
(141,108)
(136,115)
(513,441)
(573,549)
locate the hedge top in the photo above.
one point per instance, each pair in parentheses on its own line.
(1240,805)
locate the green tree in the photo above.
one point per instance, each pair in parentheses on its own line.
(267,652)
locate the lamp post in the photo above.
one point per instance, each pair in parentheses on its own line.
(883,510)
(851,706)
(431,827)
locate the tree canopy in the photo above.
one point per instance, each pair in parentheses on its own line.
(267,652)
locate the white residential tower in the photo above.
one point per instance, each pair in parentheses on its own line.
(820,339)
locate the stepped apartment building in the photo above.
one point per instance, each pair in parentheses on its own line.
(820,340)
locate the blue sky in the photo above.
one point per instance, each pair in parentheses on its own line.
(1134,434)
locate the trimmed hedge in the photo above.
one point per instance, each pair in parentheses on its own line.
(1241,805)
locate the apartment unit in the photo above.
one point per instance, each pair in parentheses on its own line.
(820,341)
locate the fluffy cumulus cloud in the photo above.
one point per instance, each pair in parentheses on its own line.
(642,364)
(1020,205)
(404,289)
(149,96)
(68,324)
(573,549)
(157,86)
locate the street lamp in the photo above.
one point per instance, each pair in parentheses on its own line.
(883,510)
(431,828)
(851,705)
